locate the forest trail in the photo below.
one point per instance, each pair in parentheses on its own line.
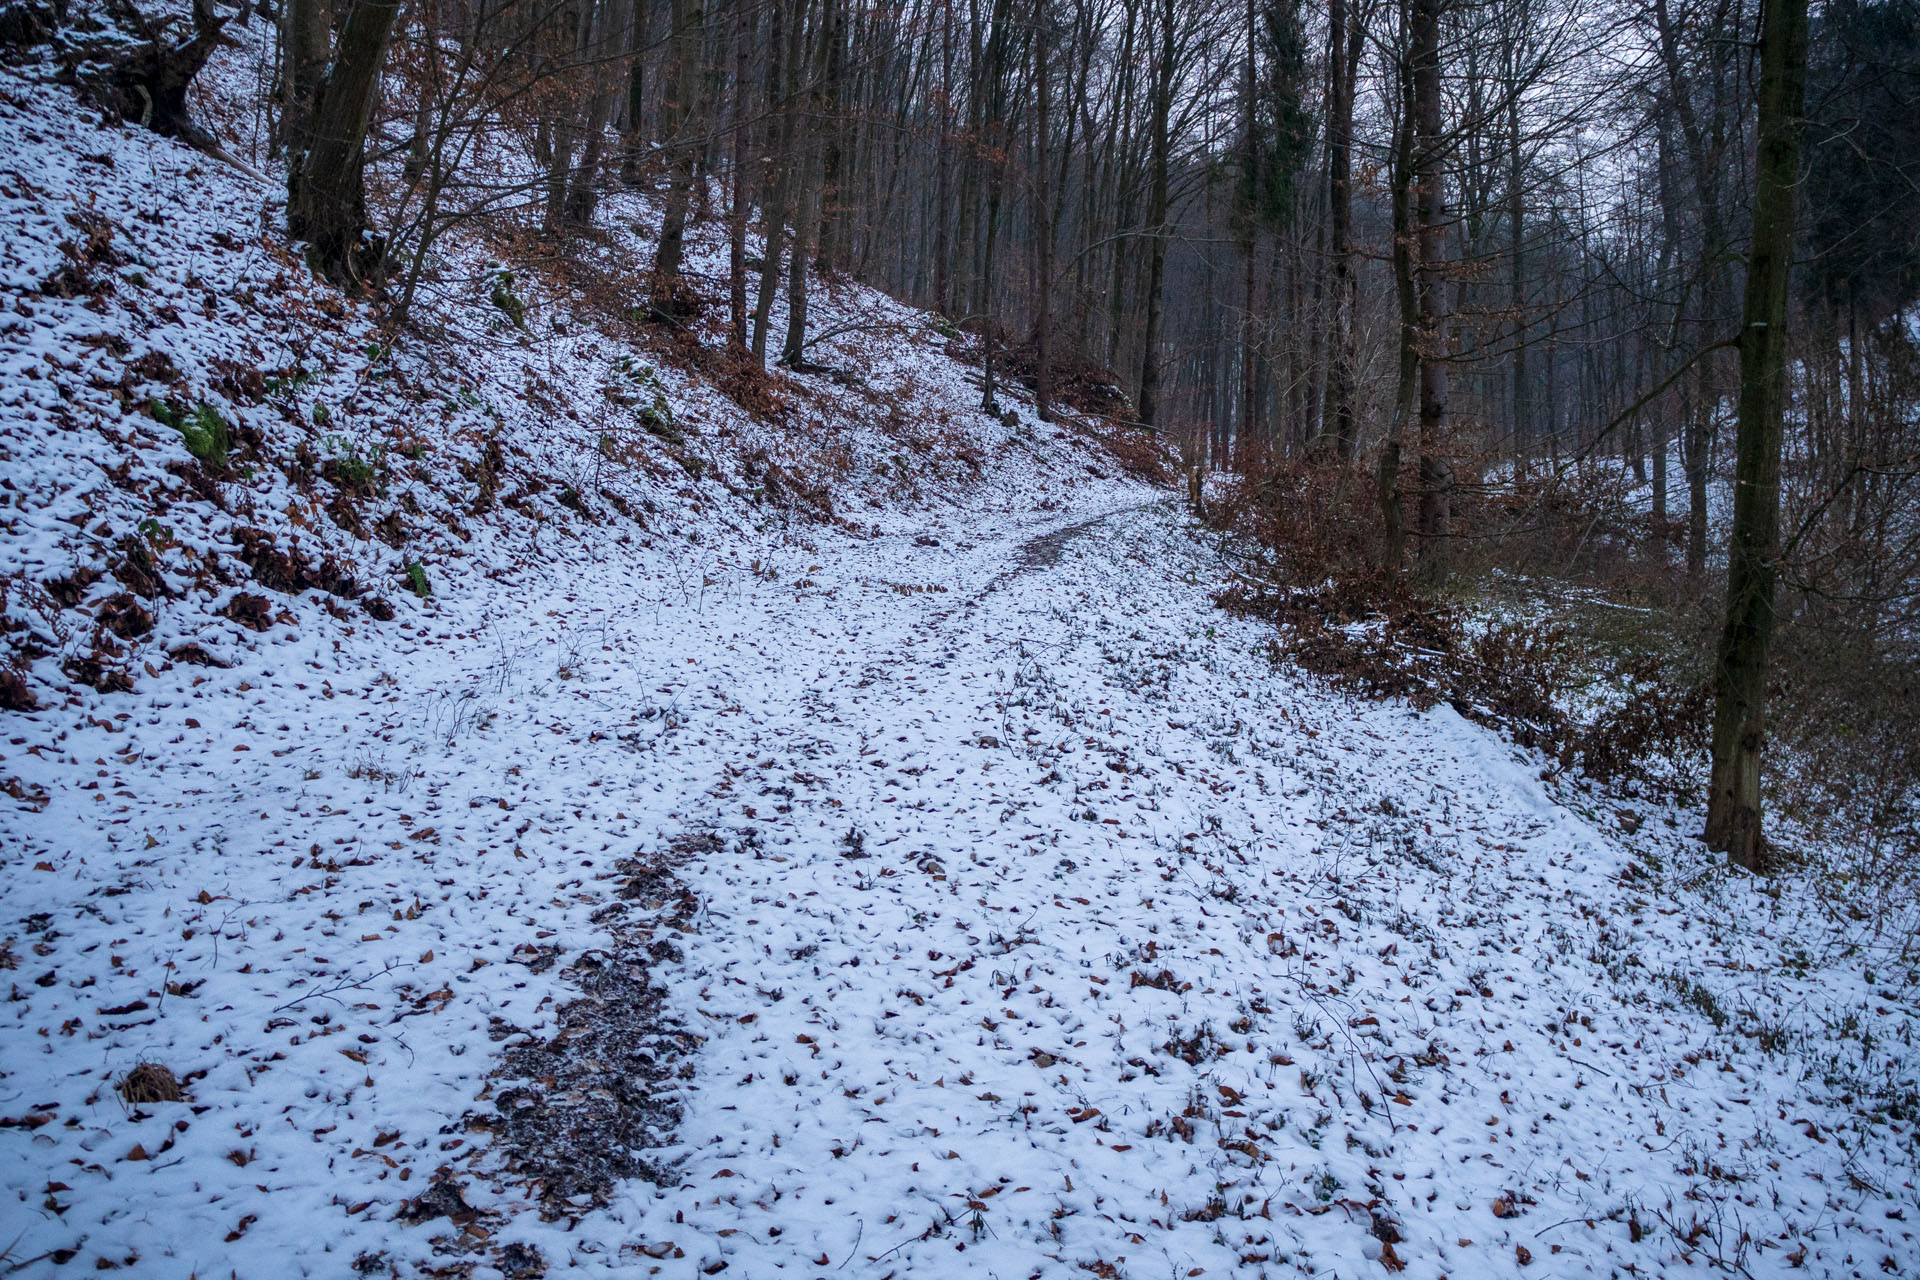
(1064,934)
(1009,913)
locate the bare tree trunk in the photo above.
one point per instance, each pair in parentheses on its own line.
(1662,442)
(806,195)
(1157,229)
(1344,46)
(306,27)
(561,132)
(781,59)
(1521,424)
(737,211)
(1249,238)
(420,143)
(806,217)
(943,170)
(1043,216)
(632,145)
(1672,414)
(991,84)
(966,230)
(829,131)
(683,87)
(1393,511)
(1740,679)
(326,187)
(583,193)
(1703,162)
(1436,472)
(1694,448)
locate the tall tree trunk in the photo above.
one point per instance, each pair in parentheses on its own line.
(1436,472)
(1344,45)
(1249,213)
(305,30)
(806,193)
(830,130)
(1043,215)
(1157,228)
(633,145)
(788,23)
(991,84)
(1704,164)
(966,227)
(806,218)
(737,209)
(583,193)
(326,186)
(1550,415)
(683,87)
(1694,451)
(943,171)
(1672,413)
(562,130)
(1740,679)
(1521,425)
(420,143)
(1393,509)
(1662,442)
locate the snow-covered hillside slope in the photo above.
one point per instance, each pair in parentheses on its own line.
(889,865)
(189,420)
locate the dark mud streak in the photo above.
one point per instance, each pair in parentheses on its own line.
(1044,551)
(575,1114)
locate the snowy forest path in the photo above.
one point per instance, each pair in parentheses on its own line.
(1035,920)
(1063,929)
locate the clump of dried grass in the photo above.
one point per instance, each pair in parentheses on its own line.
(150,1082)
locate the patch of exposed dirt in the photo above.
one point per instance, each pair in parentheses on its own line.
(576,1112)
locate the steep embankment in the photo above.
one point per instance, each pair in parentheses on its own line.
(203,443)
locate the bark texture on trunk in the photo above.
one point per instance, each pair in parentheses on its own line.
(737,206)
(1393,508)
(326,187)
(943,171)
(806,194)
(1043,218)
(1740,683)
(1430,211)
(787,24)
(306,27)
(683,86)
(1157,199)
(1345,40)
(1521,426)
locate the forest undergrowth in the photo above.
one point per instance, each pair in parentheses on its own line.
(1560,613)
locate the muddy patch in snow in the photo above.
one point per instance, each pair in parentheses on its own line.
(1044,552)
(577,1112)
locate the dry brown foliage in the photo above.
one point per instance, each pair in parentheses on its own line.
(150,1082)
(1380,636)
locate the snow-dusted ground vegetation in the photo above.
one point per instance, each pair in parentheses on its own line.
(483,804)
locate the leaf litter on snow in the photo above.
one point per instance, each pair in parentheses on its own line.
(331,741)
(826,921)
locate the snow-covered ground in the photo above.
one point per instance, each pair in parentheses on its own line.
(695,883)
(1043,925)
